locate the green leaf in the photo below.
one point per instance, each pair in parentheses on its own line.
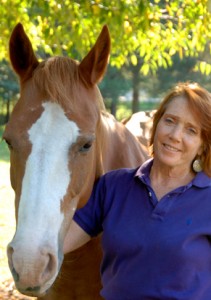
(133,59)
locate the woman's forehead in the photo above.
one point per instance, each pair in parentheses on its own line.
(180,107)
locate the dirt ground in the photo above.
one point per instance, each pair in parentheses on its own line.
(8,291)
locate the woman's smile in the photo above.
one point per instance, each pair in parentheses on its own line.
(171,148)
(177,138)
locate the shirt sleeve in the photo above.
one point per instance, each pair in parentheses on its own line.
(108,192)
(90,217)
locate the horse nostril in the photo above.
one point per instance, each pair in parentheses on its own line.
(15,275)
(33,289)
(31,270)
(50,267)
(10,252)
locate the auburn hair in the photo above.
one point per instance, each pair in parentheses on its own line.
(199,100)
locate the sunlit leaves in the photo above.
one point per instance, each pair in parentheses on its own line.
(154,30)
(133,59)
(203,67)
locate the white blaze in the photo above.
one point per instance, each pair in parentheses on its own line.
(46,177)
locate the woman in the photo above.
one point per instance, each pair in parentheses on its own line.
(156,220)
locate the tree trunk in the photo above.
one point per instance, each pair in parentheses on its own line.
(7,111)
(135,86)
(113,107)
(135,101)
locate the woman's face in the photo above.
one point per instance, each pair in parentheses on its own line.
(177,138)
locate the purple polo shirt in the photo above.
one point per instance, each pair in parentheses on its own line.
(151,250)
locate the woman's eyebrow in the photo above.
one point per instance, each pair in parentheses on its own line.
(194,125)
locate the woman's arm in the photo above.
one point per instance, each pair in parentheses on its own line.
(75,238)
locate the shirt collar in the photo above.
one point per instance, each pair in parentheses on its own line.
(145,168)
(201,180)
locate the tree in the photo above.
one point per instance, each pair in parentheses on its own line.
(115,83)
(8,89)
(153,31)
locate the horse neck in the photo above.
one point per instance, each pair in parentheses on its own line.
(107,141)
(116,146)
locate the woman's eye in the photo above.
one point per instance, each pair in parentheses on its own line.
(192,130)
(169,120)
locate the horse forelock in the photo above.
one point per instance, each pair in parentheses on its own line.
(58,78)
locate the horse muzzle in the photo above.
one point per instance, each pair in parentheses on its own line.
(33,271)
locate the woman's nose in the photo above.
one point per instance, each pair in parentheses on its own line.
(176,133)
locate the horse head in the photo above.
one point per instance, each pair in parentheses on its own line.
(54,155)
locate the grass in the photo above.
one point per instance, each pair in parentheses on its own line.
(124,108)
(4,152)
(7,219)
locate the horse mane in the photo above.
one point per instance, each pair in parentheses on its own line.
(58,78)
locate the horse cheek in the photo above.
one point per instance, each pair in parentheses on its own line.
(82,177)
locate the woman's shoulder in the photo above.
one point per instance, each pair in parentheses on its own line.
(202,180)
(120,174)
(125,175)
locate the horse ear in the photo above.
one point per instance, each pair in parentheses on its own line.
(22,56)
(93,66)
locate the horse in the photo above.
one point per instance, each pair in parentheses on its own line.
(61,139)
(140,125)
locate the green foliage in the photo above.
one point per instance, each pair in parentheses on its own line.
(181,70)
(147,37)
(9,89)
(115,84)
(154,30)
(8,82)
(124,108)
(4,152)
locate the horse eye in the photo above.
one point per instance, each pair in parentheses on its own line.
(85,148)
